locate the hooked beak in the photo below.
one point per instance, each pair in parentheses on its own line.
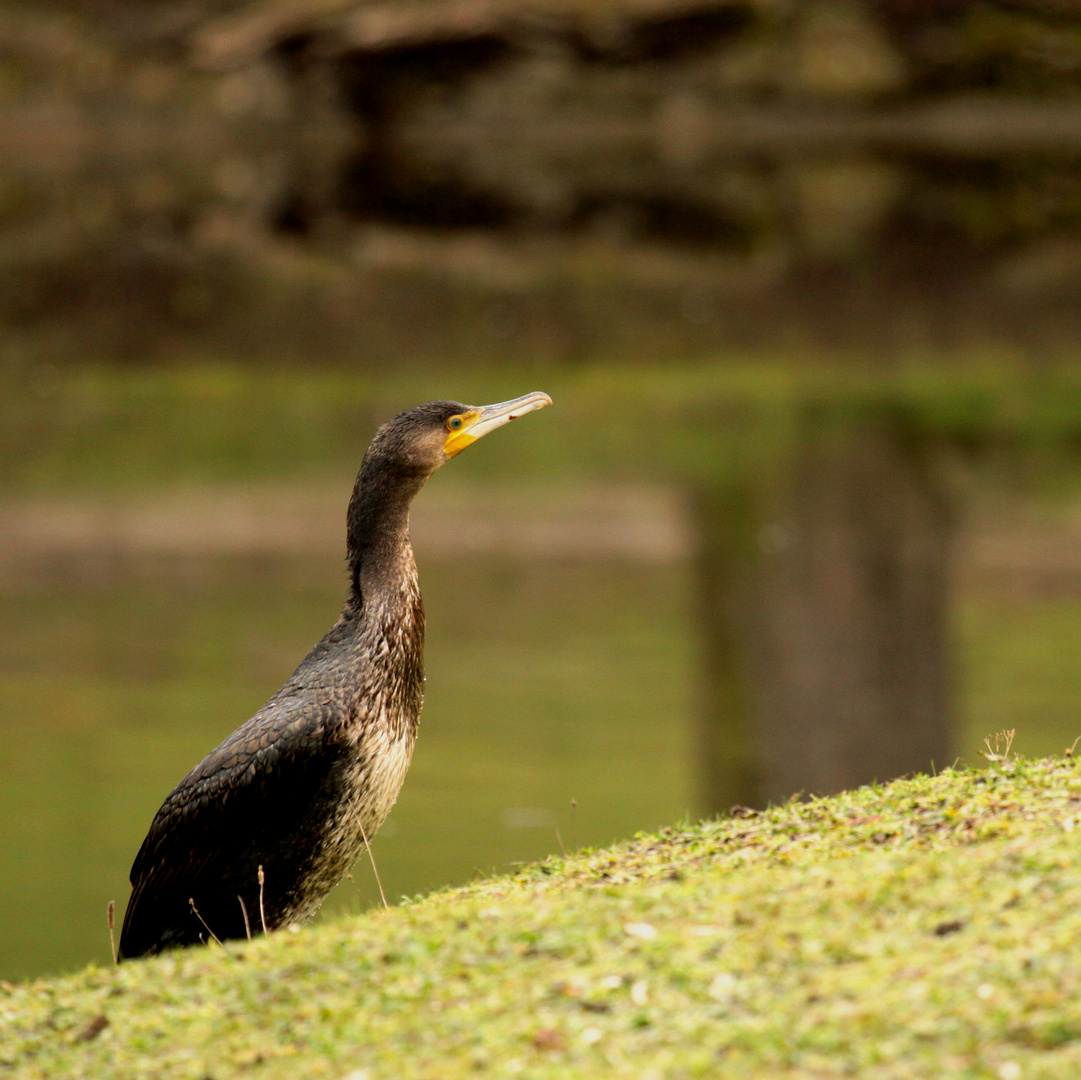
(478,422)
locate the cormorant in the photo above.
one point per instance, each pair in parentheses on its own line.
(262,828)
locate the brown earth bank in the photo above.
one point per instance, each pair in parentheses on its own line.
(632,522)
(1020,550)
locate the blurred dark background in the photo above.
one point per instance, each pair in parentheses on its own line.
(802,276)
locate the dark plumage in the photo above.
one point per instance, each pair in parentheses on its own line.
(297,788)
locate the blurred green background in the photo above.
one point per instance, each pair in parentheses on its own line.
(235,237)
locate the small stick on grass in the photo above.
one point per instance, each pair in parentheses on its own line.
(112,937)
(244,912)
(375,869)
(262,909)
(191,901)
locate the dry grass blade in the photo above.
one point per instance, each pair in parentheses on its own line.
(195,911)
(375,869)
(262,907)
(244,912)
(111,916)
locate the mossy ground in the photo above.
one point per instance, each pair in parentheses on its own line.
(927,928)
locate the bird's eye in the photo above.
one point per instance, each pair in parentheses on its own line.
(455,423)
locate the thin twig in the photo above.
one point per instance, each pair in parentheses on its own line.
(375,869)
(262,909)
(203,921)
(1073,746)
(244,912)
(559,840)
(112,938)
(574,824)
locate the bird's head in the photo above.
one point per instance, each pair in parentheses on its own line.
(403,454)
(420,440)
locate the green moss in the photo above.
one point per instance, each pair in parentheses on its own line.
(925,928)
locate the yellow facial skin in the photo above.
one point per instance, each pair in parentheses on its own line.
(467,427)
(460,436)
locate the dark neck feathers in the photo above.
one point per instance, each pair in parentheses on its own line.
(378,523)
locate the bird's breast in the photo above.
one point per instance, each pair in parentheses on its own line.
(384,758)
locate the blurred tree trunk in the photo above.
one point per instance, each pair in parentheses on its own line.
(824,618)
(727,525)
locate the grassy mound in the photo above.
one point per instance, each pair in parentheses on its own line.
(928,928)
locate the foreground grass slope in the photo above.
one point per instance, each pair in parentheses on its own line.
(928,928)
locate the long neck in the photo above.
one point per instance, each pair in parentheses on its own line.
(378,526)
